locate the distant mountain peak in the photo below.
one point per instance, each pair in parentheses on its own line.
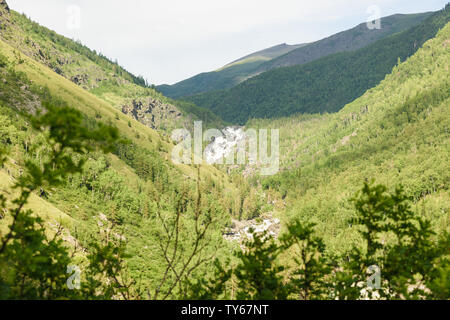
(271,52)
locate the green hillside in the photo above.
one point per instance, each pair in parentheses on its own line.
(96,73)
(349,40)
(335,232)
(227,76)
(136,188)
(396,133)
(324,85)
(83,184)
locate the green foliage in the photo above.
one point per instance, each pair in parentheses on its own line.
(258,277)
(106,273)
(396,240)
(148,165)
(33,265)
(65,132)
(349,40)
(310,278)
(214,289)
(399,243)
(185,241)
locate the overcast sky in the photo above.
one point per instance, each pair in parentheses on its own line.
(170,40)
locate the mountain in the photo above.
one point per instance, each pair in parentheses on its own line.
(227,76)
(85,185)
(268,54)
(396,133)
(94,72)
(324,85)
(349,40)
(287,55)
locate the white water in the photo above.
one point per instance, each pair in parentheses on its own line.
(222,146)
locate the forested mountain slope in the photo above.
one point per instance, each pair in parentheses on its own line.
(349,40)
(396,133)
(94,72)
(227,76)
(324,85)
(84,184)
(286,55)
(269,53)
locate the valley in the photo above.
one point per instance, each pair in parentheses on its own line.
(360,124)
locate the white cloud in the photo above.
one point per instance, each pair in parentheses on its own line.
(169,40)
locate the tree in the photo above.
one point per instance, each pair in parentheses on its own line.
(398,242)
(182,258)
(311,277)
(258,277)
(34,265)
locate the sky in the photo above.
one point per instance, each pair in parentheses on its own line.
(167,41)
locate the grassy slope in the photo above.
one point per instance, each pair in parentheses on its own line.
(89,69)
(91,105)
(268,54)
(396,133)
(79,206)
(325,85)
(40,207)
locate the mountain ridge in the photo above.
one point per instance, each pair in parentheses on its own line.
(348,40)
(226,76)
(234,73)
(323,85)
(269,53)
(140,226)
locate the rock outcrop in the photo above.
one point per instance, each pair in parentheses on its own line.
(151,112)
(80,79)
(241,231)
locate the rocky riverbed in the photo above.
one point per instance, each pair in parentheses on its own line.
(241,230)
